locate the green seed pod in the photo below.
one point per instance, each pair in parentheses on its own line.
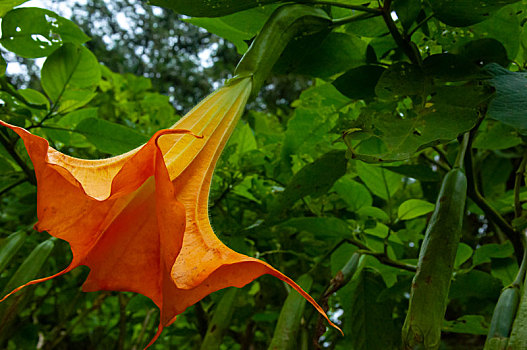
(26,272)
(285,333)
(518,337)
(503,316)
(220,321)
(430,286)
(284,24)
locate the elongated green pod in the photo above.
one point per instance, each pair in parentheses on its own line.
(518,337)
(430,286)
(285,333)
(10,246)
(285,23)
(220,321)
(502,318)
(27,271)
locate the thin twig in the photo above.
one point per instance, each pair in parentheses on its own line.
(350,19)
(383,258)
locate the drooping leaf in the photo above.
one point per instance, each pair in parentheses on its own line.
(34,32)
(510,102)
(206,8)
(462,13)
(70,76)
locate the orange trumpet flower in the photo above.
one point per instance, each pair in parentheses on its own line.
(140,220)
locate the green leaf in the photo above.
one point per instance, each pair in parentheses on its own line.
(368,322)
(471,324)
(510,101)
(494,135)
(461,13)
(420,172)
(322,228)
(464,252)
(337,53)
(3,66)
(504,269)
(485,51)
(369,28)
(486,252)
(359,83)
(34,97)
(450,67)
(381,182)
(413,208)
(373,212)
(475,284)
(407,11)
(7,5)
(34,32)
(70,76)
(315,179)
(207,8)
(382,135)
(109,137)
(353,193)
(237,28)
(401,79)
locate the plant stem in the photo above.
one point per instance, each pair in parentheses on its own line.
(404,43)
(462,150)
(517,186)
(419,25)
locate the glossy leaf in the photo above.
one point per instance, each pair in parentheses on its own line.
(34,32)
(70,76)
(353,193)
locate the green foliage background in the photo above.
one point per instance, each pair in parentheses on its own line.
(342,152)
